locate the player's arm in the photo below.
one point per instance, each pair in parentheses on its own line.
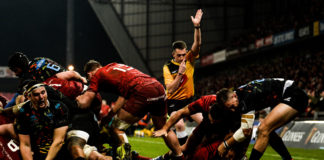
(58,141)
(25,147)
(197,33)
(120,102)
(85,99)
(172,84)
(240,135)
(173,120)
(71,75)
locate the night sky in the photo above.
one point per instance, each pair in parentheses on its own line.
(38,28)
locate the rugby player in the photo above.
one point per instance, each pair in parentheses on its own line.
(138,94)
(286,101)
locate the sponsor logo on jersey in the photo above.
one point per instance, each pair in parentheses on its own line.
(40,63)
(287,99)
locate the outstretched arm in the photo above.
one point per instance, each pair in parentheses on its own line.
(197,33)
(120,102)
(173,119)
(239,136)
(25,147)
(58,141)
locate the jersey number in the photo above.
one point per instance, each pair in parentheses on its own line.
(53,67)
(123,68)
(13,146)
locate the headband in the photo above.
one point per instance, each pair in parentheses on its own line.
(34,87)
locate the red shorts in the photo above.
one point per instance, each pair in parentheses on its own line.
(9,149)
(147,97)
(71,89)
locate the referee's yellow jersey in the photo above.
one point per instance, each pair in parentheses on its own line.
(186,88)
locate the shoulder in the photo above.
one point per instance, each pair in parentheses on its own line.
(24,107)
(167,63)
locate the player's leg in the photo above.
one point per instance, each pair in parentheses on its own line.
(279,116)
(84,132)
(277,144)
(171,139)
(180,130)
(180,126)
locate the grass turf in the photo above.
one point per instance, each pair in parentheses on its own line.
(153,147)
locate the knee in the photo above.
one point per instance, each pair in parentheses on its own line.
(263,130)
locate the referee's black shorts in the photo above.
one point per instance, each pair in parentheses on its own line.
(175,105)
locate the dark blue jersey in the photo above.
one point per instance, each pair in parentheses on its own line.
(41,68)
(259,94)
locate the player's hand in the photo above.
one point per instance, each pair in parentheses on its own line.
(221,150)
(182,67)
(160,133)
(84,80)
(106,120)
(196,20)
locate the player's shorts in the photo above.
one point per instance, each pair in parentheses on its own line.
(9,148)
(295,97)
(149,96)
(175,105)
(85,126)
(71,88)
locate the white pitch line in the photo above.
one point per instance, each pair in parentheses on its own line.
(146,141)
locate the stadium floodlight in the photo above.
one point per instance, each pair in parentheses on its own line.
(71,67)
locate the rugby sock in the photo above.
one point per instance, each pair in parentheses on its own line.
(255,154)
(124,137)
(182,137)
(277,144)
(181,157)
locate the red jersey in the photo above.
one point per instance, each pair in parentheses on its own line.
(202,104)
(119,78)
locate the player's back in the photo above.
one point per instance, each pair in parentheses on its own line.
(120,78)
(259,94)
(42,68)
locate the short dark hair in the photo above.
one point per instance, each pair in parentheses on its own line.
(222,95)
(91,65)
(18,60)
(179,45)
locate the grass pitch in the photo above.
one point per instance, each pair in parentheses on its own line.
(153,147)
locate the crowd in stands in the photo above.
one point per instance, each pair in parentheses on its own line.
(293,18)
(306,69)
